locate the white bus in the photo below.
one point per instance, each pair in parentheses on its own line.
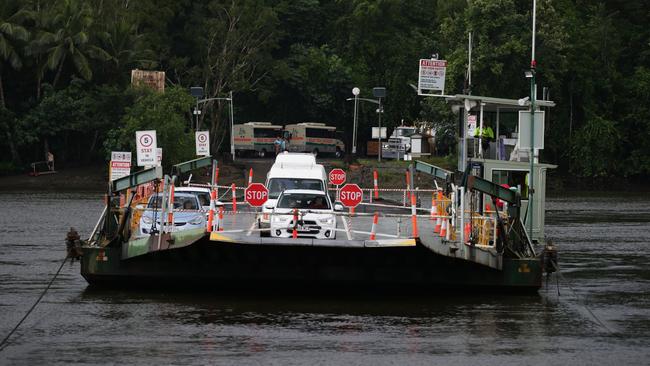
(313,137)
(256,137)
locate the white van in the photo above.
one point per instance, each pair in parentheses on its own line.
(256,137)
(291,171)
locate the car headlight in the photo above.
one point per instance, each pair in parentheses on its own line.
(147,219)
(386,146)
(408,146)
(327,221)
(280,219)
(197,220)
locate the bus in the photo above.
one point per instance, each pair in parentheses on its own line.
(313,137)
(256,138)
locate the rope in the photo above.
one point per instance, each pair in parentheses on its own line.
(584,302)
(4,341)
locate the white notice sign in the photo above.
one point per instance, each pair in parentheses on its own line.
(146,147)
(471,125)
(120,164)
(202,143)
(432,75)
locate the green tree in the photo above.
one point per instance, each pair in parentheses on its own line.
(11,34)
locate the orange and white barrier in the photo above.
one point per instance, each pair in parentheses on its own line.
(250,176)
(170,215)
(213,198)
(295,224)
(408,184)
(373,229)
(434,206)
(375,182)
(414,216)
(220,222)
(234,197)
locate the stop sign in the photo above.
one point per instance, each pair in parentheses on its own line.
(350,195)
(256,194)
(337,176)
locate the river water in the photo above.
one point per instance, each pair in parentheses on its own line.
(602,315)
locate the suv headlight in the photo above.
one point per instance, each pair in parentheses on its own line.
(197,220)
(327,221)
(147,219)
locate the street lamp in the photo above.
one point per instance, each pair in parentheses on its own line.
(197,92)
(355,92)
(232,120)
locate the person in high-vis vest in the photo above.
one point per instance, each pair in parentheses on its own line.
(486,135)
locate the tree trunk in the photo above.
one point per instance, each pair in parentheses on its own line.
(92,146)
(58,73)
(2,92)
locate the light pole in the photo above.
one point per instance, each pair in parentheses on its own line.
(379,92)
(196,92)
(232,116)
(533,96)
(355,92)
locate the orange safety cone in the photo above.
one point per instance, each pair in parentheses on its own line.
(234,198)
(443,229)
(414,216)
(220,223)
(375,221)
(295,224)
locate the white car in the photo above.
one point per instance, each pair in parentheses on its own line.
(316,217)
(203,194)
(190,218)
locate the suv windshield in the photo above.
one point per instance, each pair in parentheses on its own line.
(304,200)
(279,185)
(184,202)
(404,131)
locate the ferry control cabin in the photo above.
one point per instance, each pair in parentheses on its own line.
(256,138)
(316,138)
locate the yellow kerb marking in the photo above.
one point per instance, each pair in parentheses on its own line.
(219,237)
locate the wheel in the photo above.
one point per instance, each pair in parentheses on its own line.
(338,152)
(262,153)
(315,152)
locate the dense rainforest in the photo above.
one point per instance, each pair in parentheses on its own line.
(65,68)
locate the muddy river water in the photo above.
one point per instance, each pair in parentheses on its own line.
(600,317)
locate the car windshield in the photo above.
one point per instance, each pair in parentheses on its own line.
(304,201)
(204,197)
(180,202)
(279,185)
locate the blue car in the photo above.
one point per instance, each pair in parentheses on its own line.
(189,218)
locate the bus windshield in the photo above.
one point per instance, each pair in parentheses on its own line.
(279,185)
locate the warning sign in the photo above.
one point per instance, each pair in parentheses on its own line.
(146,147)
(471,125)
(202,143)
(120,165)
(432,75)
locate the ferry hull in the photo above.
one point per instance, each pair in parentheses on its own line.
(230,266)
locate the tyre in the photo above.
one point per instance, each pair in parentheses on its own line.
(338,153)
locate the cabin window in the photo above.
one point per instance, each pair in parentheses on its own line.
(513,178)
(266,132)
(320,133)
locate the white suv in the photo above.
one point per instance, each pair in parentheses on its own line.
(315,213)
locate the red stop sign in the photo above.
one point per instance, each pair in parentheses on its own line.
(337,177)
(350,195)
(256,194)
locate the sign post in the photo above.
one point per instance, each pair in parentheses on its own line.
(351,195)
(202,139)
(146,147)
(432,76)
(256,194)
(120,165)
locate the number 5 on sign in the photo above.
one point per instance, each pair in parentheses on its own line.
(202,143)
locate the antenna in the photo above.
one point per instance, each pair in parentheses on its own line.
(468,79)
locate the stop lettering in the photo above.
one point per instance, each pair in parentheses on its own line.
(256,194)
(337,177)
(350,195)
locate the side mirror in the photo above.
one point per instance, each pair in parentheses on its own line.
(338,207)
(269,207)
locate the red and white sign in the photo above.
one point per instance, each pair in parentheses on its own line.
(146,147)
(337,177)
(432,75)
(350,195)
(120,164)
(471,125)
(202,139)
(256,194)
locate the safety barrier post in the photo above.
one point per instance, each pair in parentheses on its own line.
(250,176)
(220,222)
(215,179)
(375,182)
(414,216)
(295,224)
(170,215)
(434,206)
(213,197)
(443,229)
(375,221)
(234,198)
(408,184)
